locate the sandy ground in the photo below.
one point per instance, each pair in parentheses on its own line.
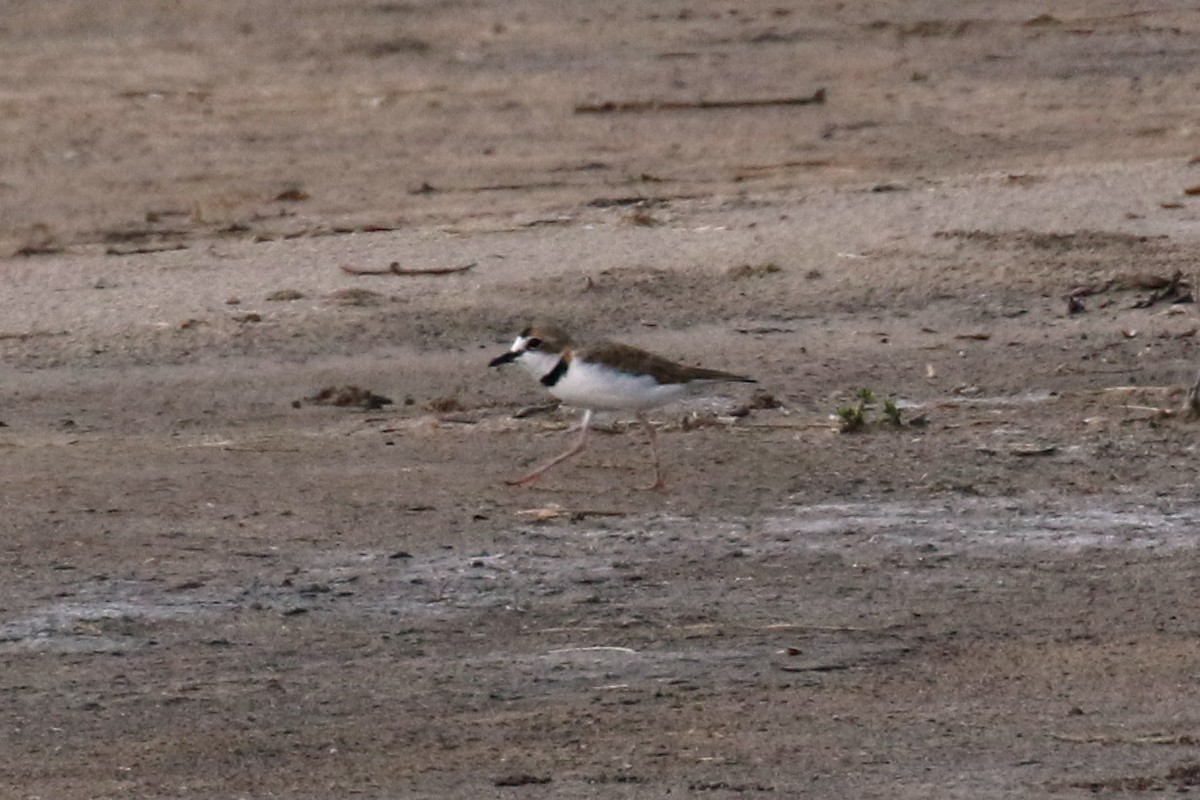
(214,586)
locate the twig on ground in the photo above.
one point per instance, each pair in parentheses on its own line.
(626,106)
(23,335)
(1104,738)
(395,269)
(529,411)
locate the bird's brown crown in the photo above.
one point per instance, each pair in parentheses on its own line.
(546,338)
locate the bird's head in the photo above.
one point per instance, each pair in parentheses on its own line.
(537,349)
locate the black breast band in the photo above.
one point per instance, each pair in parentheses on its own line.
(555,375)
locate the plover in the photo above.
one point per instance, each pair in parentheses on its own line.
(605,376)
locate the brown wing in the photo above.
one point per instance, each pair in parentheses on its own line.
(634,359)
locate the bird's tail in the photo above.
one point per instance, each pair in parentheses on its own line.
(702,374)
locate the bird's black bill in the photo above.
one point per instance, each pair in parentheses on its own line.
(501,360)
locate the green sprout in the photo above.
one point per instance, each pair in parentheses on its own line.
(891,413)
(854,417)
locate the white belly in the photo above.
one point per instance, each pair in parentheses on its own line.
(600,388)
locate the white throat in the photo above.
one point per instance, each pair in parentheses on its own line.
(535,362)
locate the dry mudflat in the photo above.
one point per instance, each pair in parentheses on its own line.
(218,583)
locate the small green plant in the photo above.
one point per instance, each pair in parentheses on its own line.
(891,413)
(854,417)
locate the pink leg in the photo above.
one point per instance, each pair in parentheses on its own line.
(660,479)
(575,450)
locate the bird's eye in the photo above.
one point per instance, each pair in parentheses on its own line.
(533,344)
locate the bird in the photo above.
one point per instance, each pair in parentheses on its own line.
(605,376)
